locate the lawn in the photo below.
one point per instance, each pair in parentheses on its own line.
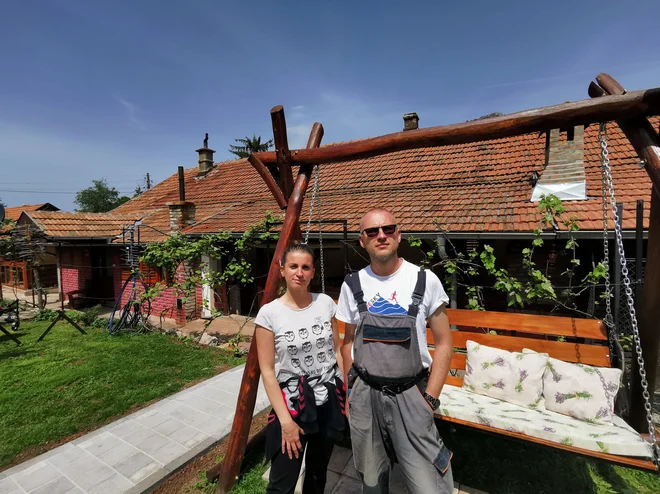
(70,383)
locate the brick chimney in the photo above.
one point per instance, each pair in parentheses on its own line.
(182,212)
(410,121)
(205,157)
(564,165)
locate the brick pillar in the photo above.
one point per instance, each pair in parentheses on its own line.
(182,215)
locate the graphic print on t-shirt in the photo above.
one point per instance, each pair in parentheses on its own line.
(380,305)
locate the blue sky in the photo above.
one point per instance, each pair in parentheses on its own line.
(115,88)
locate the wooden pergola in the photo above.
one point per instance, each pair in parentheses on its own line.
(609,102)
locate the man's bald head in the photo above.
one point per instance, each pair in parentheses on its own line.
(377,214)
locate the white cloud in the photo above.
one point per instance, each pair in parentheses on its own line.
(131,112)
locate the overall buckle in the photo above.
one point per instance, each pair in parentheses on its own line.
(390,390)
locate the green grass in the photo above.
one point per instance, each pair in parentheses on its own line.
(70,382)
(501,465)
(251,481)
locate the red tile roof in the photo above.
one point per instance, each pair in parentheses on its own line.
(476,187)
(63,224)
(14,213)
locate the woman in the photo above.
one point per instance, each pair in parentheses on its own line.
(297,339)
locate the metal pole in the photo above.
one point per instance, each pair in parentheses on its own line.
(639,254)
(617,272)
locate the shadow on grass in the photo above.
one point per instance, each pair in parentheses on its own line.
(497,464)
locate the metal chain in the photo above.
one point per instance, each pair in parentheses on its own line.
(316,193)
(609,319)
(311,205)
(607,393)
(605,161)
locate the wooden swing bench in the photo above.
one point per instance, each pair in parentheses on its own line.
(515,331)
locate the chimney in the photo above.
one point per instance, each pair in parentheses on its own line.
(182,212)
(205,157)
(564,173)
(410,121)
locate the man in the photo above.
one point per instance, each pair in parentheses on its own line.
(386,307)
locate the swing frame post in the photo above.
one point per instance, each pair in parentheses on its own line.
(646,143)
(227,471)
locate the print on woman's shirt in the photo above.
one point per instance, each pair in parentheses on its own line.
(379,305)
(311,349)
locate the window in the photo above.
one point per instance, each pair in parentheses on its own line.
(151,275)
(13,273)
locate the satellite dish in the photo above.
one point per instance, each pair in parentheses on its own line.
(2,213)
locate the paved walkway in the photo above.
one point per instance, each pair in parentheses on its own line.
(343,478)
(137,451)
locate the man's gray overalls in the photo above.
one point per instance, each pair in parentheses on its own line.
(389,418)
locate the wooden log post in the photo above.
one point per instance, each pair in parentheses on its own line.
(645,140)
(269,180)
(227,471)
(282,150)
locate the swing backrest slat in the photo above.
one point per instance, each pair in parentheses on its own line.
(564,338)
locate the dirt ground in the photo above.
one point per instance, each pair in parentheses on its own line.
(183,481)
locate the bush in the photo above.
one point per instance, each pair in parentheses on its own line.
(45,315)
(89,318)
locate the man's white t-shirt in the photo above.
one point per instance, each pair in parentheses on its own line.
(392,295)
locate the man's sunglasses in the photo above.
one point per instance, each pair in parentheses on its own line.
(373,232)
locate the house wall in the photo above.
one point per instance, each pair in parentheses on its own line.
(76,268)
(166,305)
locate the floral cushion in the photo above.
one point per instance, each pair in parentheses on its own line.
(510,376)
(581,391)
(617,438)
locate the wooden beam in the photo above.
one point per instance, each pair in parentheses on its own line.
(282,149)
(269,179)
(633,104)
(638,130)
(647,145)
(247,395)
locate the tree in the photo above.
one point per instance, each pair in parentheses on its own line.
(249,146)
(99,198)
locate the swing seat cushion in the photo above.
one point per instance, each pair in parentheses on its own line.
(514,377)
(616,438)
(577,390)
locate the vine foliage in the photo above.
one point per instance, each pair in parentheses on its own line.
(180,256)
(464,269)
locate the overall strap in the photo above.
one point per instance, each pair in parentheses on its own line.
(418,293)
(353,282)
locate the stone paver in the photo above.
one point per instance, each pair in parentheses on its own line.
(136,452)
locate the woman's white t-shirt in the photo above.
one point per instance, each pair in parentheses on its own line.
(303,342)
